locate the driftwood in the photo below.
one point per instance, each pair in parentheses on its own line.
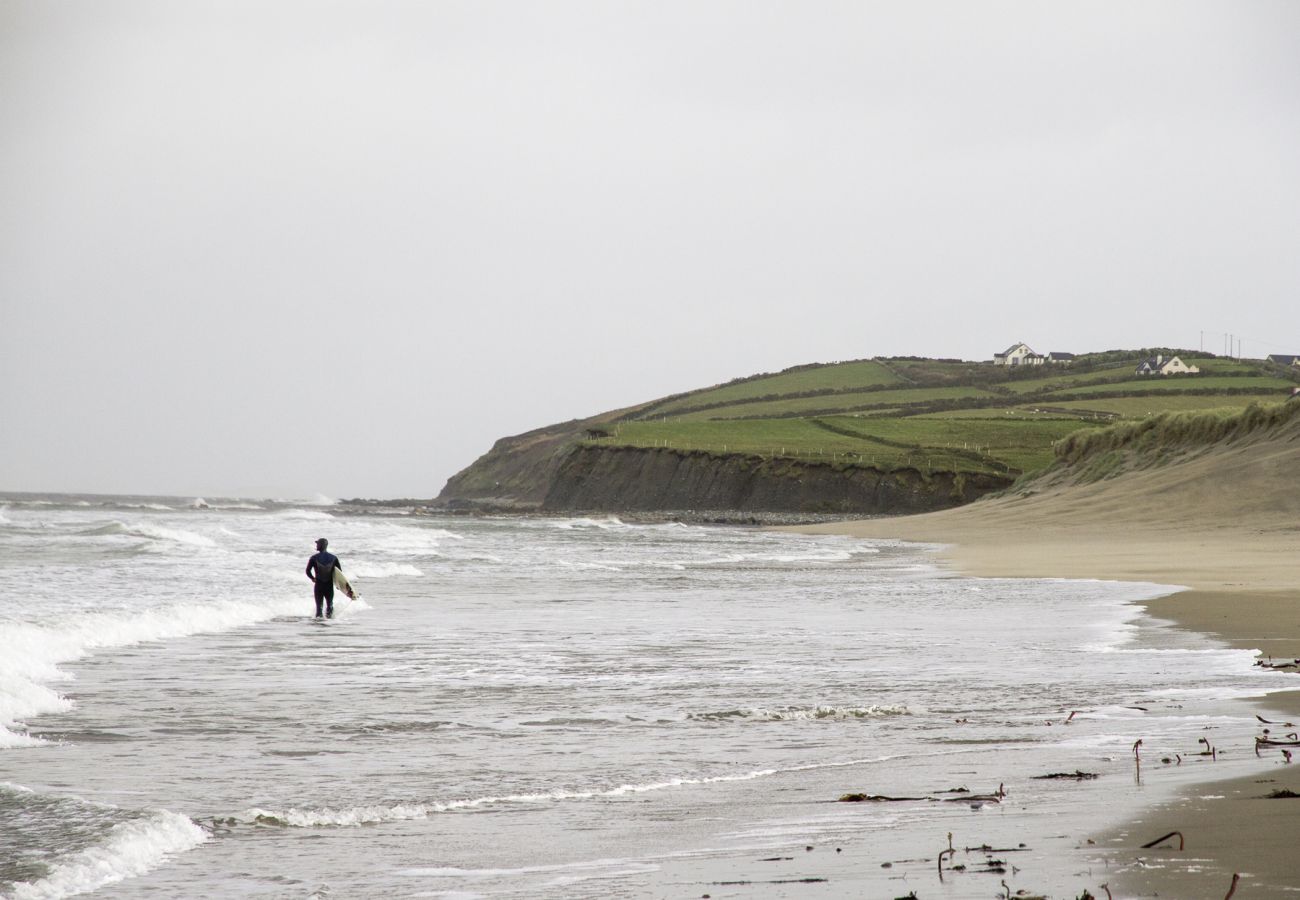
(1076,775)
(947,851)
(1233,888)
(1282,794)
(1163,838)
(985,848)
(1274,742)
(975,798)
(1267,722)
(965,796)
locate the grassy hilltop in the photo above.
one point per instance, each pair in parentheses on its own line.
(920,416)
(937,414)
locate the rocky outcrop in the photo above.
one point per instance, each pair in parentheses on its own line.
(614,479)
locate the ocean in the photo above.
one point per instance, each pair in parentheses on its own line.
(534,707)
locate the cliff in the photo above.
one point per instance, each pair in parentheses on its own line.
(640,479)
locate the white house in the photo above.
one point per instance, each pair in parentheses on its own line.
(1165,365)
(1021,355)
(1018,355)
(1284,359)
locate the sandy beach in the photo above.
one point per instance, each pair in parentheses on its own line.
(1226,525)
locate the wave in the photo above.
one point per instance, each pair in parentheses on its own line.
(373,815)
(605,524)
(382,570)
(151,532)
(317,499)
(34,652)
(587,566)
(131,849)
(802,713)
(307,514)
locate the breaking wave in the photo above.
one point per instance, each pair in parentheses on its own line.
(155,533)
(130,849)
(373,815)
(799,713)
(606,523)
(382,570)
(33,652)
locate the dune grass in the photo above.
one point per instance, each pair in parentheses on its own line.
(1175,431)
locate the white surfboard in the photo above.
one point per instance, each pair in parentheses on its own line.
(341,583)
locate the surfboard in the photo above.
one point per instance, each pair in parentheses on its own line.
(341,583)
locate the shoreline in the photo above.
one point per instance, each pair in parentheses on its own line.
(1240,591)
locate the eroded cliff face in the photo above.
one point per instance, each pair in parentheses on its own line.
(613,479)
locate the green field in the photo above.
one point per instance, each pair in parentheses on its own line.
(1054,382)
(835,377)
(935,414)
(1177,383)
(856,400)
(982,445)
(1023,444)
(1139,407)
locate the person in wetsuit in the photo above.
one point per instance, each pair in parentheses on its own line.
(320,569)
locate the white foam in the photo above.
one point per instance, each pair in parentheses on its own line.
(33,652)
(382,570)
(805,713)
(174,535)
(370,815)
(604,524)
(152,532)
(130,850)
(307,514)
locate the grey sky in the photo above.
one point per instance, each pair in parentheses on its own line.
(294,247)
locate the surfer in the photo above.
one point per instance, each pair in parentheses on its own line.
(320,569)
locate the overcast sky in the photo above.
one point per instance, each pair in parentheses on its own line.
(280,248)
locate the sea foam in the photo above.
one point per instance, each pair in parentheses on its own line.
(373,815)
(34,652)
(130,849)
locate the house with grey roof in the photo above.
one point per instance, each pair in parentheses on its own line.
(1021,355)
(1165,365)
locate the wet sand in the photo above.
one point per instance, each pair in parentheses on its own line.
(1233,541)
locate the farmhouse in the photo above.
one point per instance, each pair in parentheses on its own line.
(1165,365)
(1021,355)
(1283,360)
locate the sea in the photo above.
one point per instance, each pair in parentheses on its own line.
(570,707)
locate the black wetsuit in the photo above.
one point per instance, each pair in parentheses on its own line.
(324,565)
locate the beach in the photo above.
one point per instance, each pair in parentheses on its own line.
(559,707)
(1223,525)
